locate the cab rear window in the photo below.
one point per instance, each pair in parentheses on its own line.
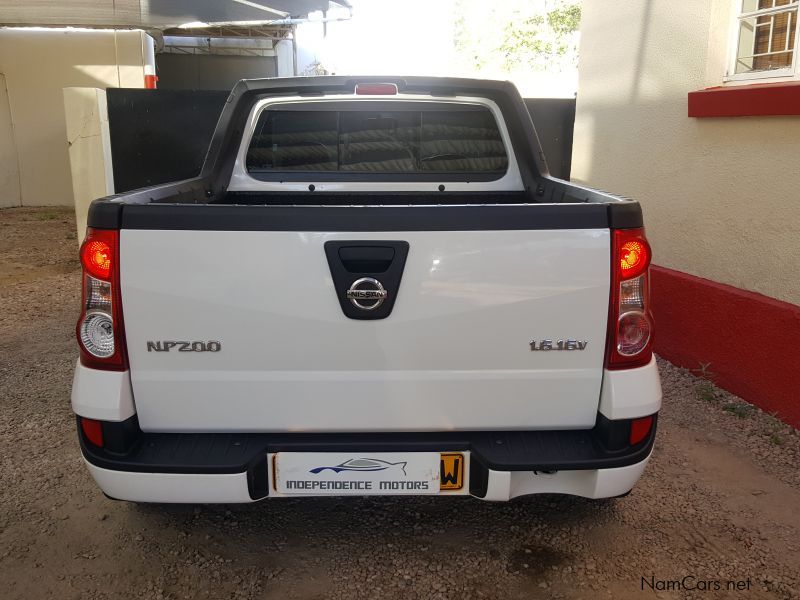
(459,140)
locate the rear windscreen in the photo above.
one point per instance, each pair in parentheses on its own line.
(461,140)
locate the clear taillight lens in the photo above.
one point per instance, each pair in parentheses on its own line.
(632,294)
(633,333)
(97,333)
(98,295)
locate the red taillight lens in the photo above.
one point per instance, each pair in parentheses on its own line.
(100,330)
(96,257)
(630,324)
(376,89)
(640,428)
(93,430)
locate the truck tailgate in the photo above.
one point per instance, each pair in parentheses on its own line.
(453,354)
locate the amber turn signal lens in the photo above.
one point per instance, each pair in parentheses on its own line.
(634,257)
(96,258)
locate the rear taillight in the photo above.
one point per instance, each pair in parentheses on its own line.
(100,332)
(630,324)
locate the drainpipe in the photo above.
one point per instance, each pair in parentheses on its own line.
(294,50)
(149,52)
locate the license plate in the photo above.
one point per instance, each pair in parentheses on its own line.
(367,474)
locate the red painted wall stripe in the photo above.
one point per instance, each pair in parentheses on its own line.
(752,342)
(764,99)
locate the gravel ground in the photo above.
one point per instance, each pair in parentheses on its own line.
(718,502)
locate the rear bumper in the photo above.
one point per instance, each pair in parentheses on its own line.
(193,488)
(215,467)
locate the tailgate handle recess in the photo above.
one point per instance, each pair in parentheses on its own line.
(366,259)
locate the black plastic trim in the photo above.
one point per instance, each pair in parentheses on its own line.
(105,215)
(258,478)
(359,198)
(217,217)
(501,451)
(625,215)
(444,177)
(612,435)
(346,272)
(120,437)
(478,477)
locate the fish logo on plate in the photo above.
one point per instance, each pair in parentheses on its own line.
(362,464)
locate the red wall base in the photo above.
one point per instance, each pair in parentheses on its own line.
(752,342)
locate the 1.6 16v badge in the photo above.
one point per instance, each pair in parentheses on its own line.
(548,345)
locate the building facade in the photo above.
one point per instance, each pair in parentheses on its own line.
(693,108)
(36,64)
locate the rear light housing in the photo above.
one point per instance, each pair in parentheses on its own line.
(100,330)
(630,322)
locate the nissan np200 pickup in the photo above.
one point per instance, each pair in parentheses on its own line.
(374,286)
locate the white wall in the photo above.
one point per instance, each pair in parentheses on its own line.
(9,168)
(720,196)
(86,111)
(37,64)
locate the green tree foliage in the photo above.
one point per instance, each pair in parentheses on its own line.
(518,35)
(544,41)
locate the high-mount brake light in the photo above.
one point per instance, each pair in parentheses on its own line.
(630,323)
(100,330)
(376,89)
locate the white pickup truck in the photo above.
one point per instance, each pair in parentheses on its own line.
(373,287)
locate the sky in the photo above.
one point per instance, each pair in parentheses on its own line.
(416,37)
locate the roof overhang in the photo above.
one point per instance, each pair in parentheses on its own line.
(156,14)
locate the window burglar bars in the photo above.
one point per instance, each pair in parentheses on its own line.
(767,38)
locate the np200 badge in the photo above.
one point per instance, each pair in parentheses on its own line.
(181,346)
(548,345)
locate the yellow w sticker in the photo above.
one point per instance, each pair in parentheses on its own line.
(452,471)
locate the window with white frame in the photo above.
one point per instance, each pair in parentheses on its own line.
(766,39)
